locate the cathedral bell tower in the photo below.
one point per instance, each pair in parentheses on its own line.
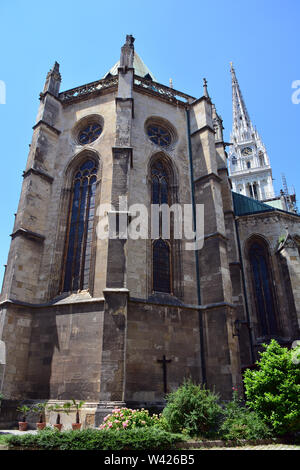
(249,164)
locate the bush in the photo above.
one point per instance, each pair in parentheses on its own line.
(241,423)
(193,410)
(94,439)
(126,418)
(273,391)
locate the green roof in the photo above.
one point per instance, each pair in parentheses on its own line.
(246,205)
(140,68)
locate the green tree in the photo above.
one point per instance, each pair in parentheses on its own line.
(192,409)
(273,391)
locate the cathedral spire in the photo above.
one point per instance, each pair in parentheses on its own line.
(242,126)
(249,164)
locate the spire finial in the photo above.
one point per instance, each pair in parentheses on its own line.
(171,83)
(53,80)
(127,53)
(205,88)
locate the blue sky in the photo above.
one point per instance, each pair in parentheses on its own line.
(185,41)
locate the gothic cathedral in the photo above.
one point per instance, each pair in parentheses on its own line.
(124,321)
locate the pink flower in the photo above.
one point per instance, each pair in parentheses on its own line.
(109,425)
(125,424)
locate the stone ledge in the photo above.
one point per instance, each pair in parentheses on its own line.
(44,123)
(207,127)
(38,172)
(28,234)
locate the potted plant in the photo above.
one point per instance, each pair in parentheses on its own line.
(23,423)
(57,408)
(78,405)
(40,408)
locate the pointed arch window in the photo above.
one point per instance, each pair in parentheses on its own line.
(263,288)
(161,249)
(80,228)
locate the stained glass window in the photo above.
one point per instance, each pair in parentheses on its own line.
(159,135)
(89,133)
(161,249)
(161,266)
(80,230)
(263,290)
(160,187)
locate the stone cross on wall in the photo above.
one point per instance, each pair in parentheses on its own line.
(164,363)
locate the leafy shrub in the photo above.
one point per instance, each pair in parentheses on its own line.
(193,410)
(241,423)
(94,439)
(126,418)
(273,391)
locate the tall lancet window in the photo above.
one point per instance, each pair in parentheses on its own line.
(161,248)
(80,228)
(263,288)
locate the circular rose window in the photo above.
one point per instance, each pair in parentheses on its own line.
(89,133)
(159,135)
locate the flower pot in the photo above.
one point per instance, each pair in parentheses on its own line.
(76,425)
(23,425)
(58,426)
(40,426)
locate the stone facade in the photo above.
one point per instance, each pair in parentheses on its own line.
(103,344)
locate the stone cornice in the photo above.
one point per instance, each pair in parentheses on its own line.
(216,235)
(202,98)
(40,173)
(209,176)
(28,234)
(43,95)
(207,127)
(44,123)
(53,303)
